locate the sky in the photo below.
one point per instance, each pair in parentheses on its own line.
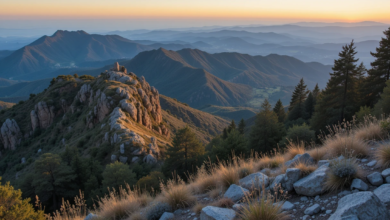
(156,14)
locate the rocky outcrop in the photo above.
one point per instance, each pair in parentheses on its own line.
(84,93)
(362,206)
(42,116)
(103,106)
(10,134)
(153,147)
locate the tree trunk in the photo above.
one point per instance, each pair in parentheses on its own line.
(388,73)
(185,156)
(344,97)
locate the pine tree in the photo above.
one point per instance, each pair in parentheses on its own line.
(241,126)
(185,154)
(316,91)
(309,106)
(235,144)
(380,71)
(339,100)
(279,110)
(118,174)
(231,127)
(299,95)
(267,131)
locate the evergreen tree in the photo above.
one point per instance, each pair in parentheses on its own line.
(316,91)
(53,179)
(383,105)
(80,169)
(235,144)
(185,154)
(309,106)
(225,133)
(340,99)
(279,110)
(380,71)
(267,131)
(299,95)
(117,174)
(241,126)
(231,127)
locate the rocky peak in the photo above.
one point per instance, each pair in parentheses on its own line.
(42,116)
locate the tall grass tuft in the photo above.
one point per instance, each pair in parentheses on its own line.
(305,169)
(382,155)
(294,149)
(177,194)
(341,173)
(76,211)
(346,146)
(369,130)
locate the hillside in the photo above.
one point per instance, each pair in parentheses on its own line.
(5,105)
(230,113)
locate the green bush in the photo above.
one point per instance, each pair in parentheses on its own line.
(298,133)
(363,112)
(151,182)
(86,77)
(385,125)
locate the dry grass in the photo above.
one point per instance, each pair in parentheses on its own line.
(136,216)
(294,149)
(346,146)
(382,155)
(341,173)
(76,211)
(203,181)
(270,162)
(223,203)
(370,131)
(305,169)
(117,205)
(246,168)
(318,153)
(197,208)
(228,174)
(177,194)
(262,207)
(215,193)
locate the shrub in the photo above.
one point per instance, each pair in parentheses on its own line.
(318,153)
(68,211)
(300,133)
(385,125)
(362,113)
(346,146)
(156,210)
(341,173)
(369,131)
(382,155)
(177,195)
(228,174)
(151,182)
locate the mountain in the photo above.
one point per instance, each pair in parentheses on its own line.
(70,50)
(4,53)
(24,88)
(230,113)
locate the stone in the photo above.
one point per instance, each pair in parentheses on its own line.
(276,185)
(344,193)
(312,184)
(122,148)
(304,158)
(134,159)
(254,181)
(113,158)
(122,159)
(130,108)
(364,160)
(362,205)
(237,207)
(385,173)
(322,162)
(153,147)
(304,199)
(235,193)
(388,179)
(328,212)
(375,179)
(10,134)
(372,163)
(91,216)
(312,210)
(167,216)
(42,116)
(39,151)
(305,217)
(359,184)
(216,213)
(23,160)
(292,175)
(150,159)
(383,193)
(287,206)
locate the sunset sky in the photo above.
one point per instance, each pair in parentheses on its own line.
(180,13)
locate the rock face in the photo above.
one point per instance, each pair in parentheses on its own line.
(362,206)
(383,193)
(215,213)
(235,193)
(312,185)
(10,134)
(42,116)
(254,181)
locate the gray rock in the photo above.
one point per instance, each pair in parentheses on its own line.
(122,159)
(312,185)
(265,171)
(322,162)
(304,158)
(386,173)
(375,179)
(122,148)
(362,205)
(359,184)
(388,179)
(10,134)
(304,199)
(167,216)
(372,163)
(292,175)
(364,160)
(113,158)
(90,216)
(215,213)
(237,207)
(277,183)
(135,159)
(39,151)
(235,193)
(254,181)
(344,193)
(287,206)
(314,209)
(305,217)
(383,193)
(150,159)
(350,217)
(328,212)
(23,160)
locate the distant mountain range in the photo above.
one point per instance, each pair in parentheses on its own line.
(226,79)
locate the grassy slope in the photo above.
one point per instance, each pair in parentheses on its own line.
(5,105)
(230,113)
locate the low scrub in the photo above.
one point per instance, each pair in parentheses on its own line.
(223,203)
(382,155)
(318,153)
(177,194)
(341,173)
(294,149)
(370,131)
(346,146)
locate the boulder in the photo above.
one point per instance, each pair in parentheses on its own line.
(312,184)
(383,193)
(44,114)
(388,179)
(84,93)
(322,162)
(235,193)
(150,159)
(113,158)
(122,148)
(287,206)
(304,158)
(167,216)
(116,116)
(362,206)
(314,209)
(254,181)
(153,147)
(385,173)
(277,184)
(292,175)
(10,134)
(103,107)
(371,163)
(216,213)
(375,179)
(134,159)
(359,184)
